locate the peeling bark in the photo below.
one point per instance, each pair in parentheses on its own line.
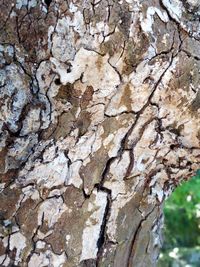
(99,123)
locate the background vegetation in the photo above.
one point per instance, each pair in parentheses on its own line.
(182,227)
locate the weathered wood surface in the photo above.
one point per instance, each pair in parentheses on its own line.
(99,122)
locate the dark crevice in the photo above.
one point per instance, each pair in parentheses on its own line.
(101,239)
(48,2)
(102,236)
(57,81)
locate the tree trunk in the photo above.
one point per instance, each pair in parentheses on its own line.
(99,122)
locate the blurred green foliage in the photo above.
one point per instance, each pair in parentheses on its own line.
(182,226)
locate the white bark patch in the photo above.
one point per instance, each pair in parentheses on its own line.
(115,107)
(74,177)
(93,226)
(143,154)
(51,174)
(96,71)
(31,123)
(86,146)
(47,259)
(174,7)
(63,47)
(83,148)
(16,88)
(40,244)
(51,209)
(28,192)
(28,3)
(158,191)
(68,237)
(147,23)
(139,90)
(116,142)
(108,139)
(97,114)
(49,154)
(4,261)
(116,175)
(17,241)
(63,42)
(2,186)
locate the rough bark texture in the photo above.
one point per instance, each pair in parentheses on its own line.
(99,122)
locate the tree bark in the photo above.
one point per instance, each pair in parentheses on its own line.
(99,123)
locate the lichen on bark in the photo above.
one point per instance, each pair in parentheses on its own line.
(99,123)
